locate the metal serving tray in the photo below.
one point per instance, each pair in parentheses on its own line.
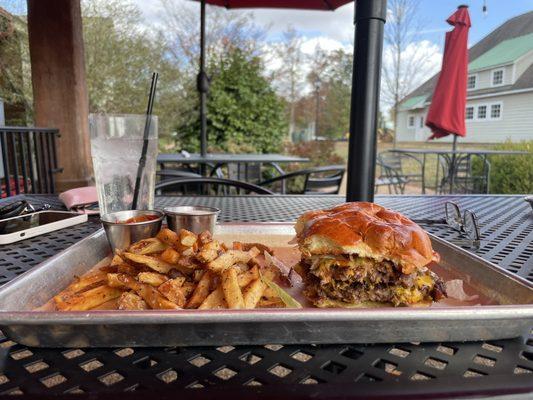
(511,316)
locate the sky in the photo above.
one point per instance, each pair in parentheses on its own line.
(338,25)
(333,30)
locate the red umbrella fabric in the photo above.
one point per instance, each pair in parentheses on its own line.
(446,114)
(295,4)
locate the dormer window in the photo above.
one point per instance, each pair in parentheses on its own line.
(471,82)
(497,77)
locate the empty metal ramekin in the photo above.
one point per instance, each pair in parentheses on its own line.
(120,235)
(193,218)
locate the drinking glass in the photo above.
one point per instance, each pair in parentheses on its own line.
(116,145)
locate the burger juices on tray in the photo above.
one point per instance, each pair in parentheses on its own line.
(361,254)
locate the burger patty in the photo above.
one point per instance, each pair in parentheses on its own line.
(359,279)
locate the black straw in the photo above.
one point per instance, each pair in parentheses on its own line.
(142,160)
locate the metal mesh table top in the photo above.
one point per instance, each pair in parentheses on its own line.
(507,365)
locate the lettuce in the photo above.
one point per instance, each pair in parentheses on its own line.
(285,297)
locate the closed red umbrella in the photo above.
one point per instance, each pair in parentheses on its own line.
(446,113)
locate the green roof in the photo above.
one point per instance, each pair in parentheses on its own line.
(413,101)
(503,53)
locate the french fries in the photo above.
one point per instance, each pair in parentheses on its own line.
(175,271)
(172,290)
(147,246)
(231,289)
(253,292)
(201,291)
(230,258)
(214,300)
(89,299)
(170,256)
(149,261)
(152,278)
(131,301)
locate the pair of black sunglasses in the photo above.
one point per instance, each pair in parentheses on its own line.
(20,207)
(467,223)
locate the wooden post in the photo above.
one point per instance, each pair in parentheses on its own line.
(59,86)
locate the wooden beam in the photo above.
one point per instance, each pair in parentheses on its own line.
(59,86)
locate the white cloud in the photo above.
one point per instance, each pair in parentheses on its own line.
(336,25)
(325,43)
(420,61)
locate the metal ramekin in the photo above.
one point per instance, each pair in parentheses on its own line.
(193,218)
(121,235)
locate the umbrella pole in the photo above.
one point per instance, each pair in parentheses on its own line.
(203,87)
(369,22)
(452,164)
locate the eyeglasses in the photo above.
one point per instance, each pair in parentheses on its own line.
(20,207)
(467,224)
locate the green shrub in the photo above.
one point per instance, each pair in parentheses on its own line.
(512,174)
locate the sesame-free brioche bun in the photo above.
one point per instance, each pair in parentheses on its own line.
(367,230)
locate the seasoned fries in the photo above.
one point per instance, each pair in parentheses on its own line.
(175,271)
(148,246)
(231,289)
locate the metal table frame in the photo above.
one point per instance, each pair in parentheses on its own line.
(452,157)
(399,369)
(219,160)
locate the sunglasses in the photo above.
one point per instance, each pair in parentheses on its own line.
(467,224)
(20,207)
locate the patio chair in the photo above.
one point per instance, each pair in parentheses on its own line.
(399,161)
(391,178)
(317,181)
(208,185)
(470,177)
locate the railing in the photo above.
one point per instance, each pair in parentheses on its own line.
(28,159)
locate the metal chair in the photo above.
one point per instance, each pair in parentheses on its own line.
(317,181)
(391,178)
(28,160)
(469,177)
(397,162)
(179,186)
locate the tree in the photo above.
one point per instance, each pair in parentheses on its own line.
(225,30)
(244,113)
(335,119)
(15,75)
(120,55)
(405,62)
(289,75)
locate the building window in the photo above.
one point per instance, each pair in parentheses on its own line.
(495,111)
(497,77)
(411,121)
(421,122)
(471,82)
(469,114)
(482,112)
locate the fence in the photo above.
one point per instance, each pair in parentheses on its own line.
(28,160)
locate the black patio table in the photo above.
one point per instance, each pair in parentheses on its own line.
(398,370)
(217,160)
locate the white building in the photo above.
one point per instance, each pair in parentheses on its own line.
(500,90)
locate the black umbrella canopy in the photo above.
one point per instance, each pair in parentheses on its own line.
(369,22)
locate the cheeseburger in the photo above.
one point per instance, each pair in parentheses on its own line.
(361,254)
